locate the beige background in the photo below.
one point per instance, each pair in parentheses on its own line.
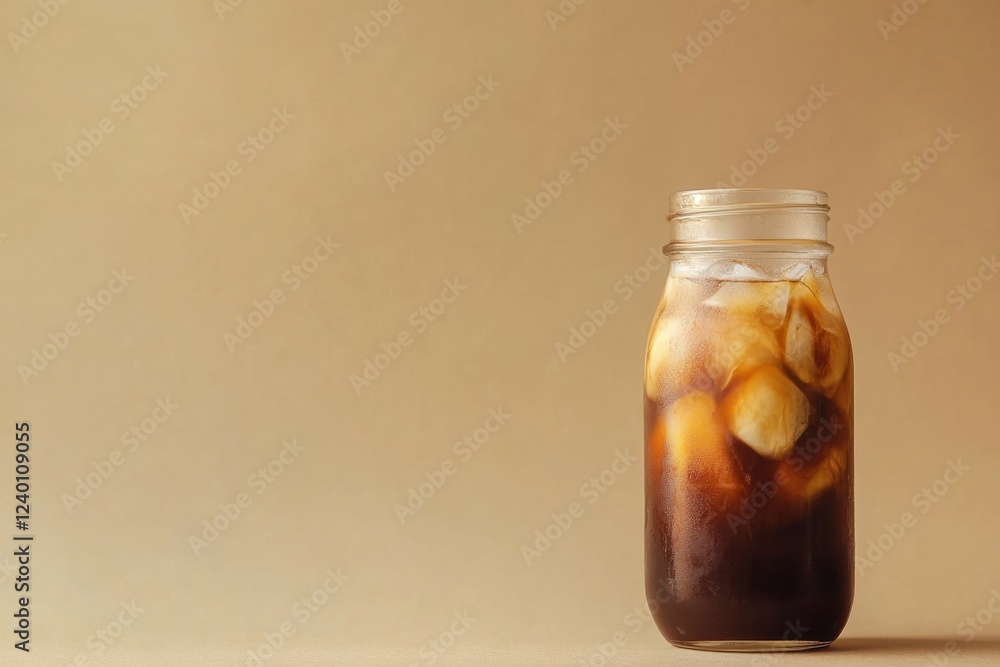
(494,347)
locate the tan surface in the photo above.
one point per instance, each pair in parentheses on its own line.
(495,345)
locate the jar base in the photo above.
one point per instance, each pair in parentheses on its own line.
(780,646)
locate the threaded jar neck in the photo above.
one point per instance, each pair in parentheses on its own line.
(754,217)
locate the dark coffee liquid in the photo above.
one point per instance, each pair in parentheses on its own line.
(768,563)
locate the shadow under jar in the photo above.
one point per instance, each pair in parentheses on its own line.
(749,454)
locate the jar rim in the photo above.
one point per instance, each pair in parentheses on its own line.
(802,248)
(721,201)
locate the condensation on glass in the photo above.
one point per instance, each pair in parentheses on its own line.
(749,453)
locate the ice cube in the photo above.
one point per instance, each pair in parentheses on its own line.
(795,271)
(766,411)
(682,293)
(766,301)
(799,339)
(827,473)
(698,444)
(820,291)
(692,267)
(734,270)
(800,487)
(833,355)
(670,362)
(816,347)
(843,398)
(735,345)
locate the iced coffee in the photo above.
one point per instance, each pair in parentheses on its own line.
(749,450)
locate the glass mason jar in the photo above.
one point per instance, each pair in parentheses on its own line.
(749,428)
